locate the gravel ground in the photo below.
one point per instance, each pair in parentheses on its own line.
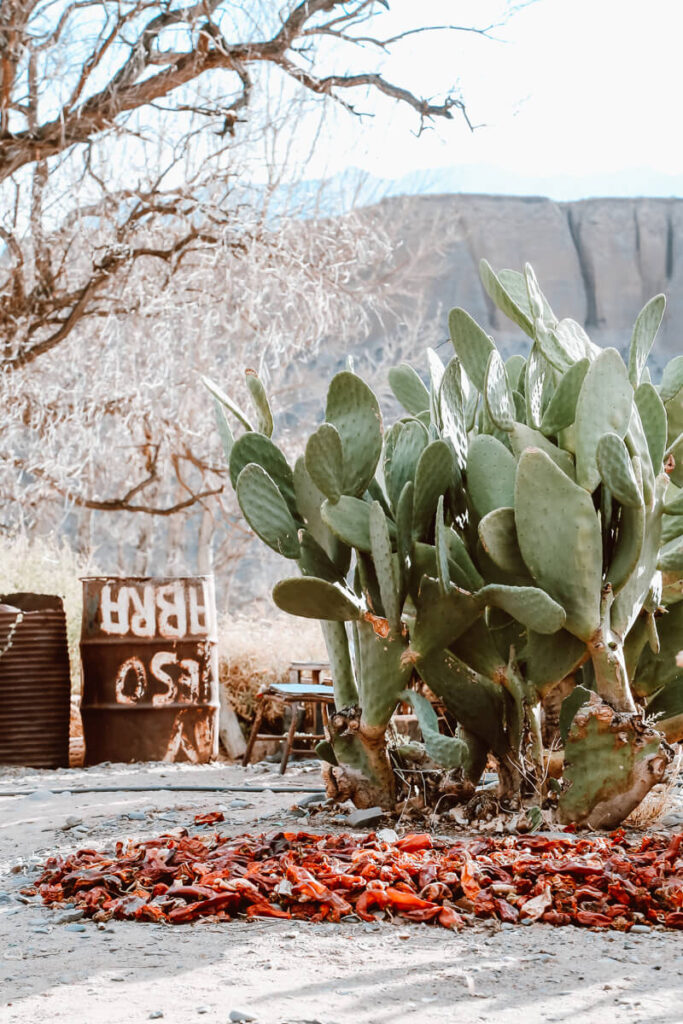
(54,968)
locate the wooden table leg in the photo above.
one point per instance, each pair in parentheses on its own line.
(290,738)
(253,734)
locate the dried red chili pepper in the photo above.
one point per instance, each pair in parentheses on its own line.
(603,882)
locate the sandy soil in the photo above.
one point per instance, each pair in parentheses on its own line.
(277,972)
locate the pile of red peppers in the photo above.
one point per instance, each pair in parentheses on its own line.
(598,882)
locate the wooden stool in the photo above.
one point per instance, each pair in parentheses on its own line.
(296,695)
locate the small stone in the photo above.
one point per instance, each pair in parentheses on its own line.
(311,798)
(240,805)
(155,1015)
(68,916)
(71,822)
(75,928)
(203,1009)
(136,816)
(387,835)
(641,929)
(298,812)
(40,794)
(365,818)
(507,926)
(240,1016)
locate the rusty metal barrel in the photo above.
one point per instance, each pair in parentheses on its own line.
(150,669)
(35,683)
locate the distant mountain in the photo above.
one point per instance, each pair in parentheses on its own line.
(355,187)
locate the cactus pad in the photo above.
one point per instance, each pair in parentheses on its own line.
(266,511)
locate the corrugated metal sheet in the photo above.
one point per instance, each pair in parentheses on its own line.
(34,681)
(150,669)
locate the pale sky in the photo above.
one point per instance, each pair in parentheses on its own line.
(576,88)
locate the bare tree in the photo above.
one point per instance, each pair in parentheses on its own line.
(137,249)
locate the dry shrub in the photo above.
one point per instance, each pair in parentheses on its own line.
(256,650)
(659,800)
(44,565)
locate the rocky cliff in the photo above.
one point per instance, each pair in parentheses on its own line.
(598,260)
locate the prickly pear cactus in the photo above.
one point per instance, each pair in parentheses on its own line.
(517,532)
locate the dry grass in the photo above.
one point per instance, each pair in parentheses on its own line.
(658,801)
(47,566)
(256,650)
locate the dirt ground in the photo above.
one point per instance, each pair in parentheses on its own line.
(57,969)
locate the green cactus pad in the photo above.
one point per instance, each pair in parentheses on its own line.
(452,409)
(673,505)
(266,511)
(312,598)
(224,430)
(264,416)
(491,471)
(409,389)
(404,538)
(628,546)
(672,527)
(441,547)
(672,379)
(343,680)
(644,333)
(676,451)
(325,752)
(604,405)
(671,556)
(570,705)
(616,471)
(674,416)
(384,674)
(442,618)
(511,297)
(498,535)
(353,409)
(559,537)
(226,402)
(472,345)
(259,449)
(629,600)
(523,437)
(349,519)
(309,502)
(653,418)
(401,458)
(464,572)
(574,340)
(561,410)
(498,394)
(655,671)
(447,751)
(478,650)
(325,461)
(375,493)
(514,368)
(666,708)
(529,605)
(436,374)
(434,475)
(478,704)
(314,560)
(384,565)
(636,442)
(537,383)
(611,762)
(550,658)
